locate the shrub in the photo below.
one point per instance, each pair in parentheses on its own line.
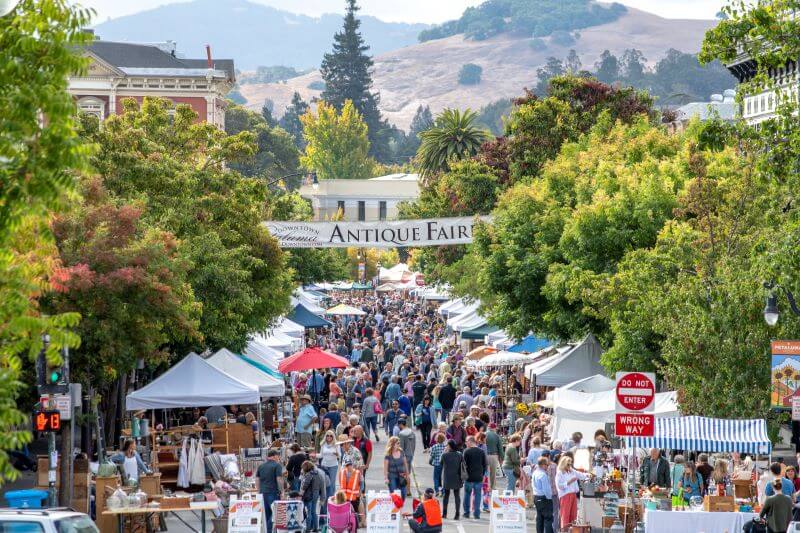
(317,85)
(562,38)
(470,74)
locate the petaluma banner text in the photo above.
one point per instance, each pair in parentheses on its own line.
(384,234)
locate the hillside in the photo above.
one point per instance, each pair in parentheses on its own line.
(427,73)
(252,34)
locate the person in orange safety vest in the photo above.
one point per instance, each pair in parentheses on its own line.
(350,483)
(427,517)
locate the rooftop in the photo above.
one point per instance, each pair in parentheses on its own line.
(156,59)
(397,177)
(722,105)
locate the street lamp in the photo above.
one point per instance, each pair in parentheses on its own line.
(771,313)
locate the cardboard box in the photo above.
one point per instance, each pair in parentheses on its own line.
(719,504)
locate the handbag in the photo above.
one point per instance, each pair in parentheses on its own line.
(463,471)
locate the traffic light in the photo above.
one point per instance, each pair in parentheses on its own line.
(54,375)
(52,379)
(46,420)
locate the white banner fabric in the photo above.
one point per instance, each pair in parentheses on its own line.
(384,234)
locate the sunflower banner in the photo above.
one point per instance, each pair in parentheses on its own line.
(785,375)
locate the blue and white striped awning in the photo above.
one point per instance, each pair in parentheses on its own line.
(701,434)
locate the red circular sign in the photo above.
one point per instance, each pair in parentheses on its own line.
(635,391)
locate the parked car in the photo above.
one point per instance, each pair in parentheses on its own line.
(45,521)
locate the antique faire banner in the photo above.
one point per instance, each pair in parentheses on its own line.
(384,234)
(785,373)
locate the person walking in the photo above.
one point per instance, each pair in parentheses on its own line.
(452,462)
(395,467)
(777,509)
(542,496)
(330,455)
(447,397)
(270,483)
(427,517)
(306,416)
(495,454)
(350,484)
(391,418)
(567,483)
(424,421)
(370,412)
(436,404)
(435,461)
(475,462)
(511,462)
(312,489)
(457,433)
(408,441)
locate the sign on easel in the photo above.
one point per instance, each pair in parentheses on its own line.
(245,514)
(383,516)
(507,512)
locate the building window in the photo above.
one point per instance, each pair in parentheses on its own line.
(382,210)
(340,207)
(92,106)
(362,211)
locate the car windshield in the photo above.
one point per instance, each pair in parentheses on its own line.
(76,524)
(19,526)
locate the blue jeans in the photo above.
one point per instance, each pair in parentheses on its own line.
(294,484)
(269,499)
(473,489)
(394,484)
(331,471)
(370,422)
(437,478)
(312,518)
(510,478)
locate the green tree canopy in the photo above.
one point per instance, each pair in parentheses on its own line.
(337,146)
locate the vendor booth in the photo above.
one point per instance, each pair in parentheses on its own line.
(308,302)
(279,341)
(300,314)
(291,328)
(701,434)
(596,383)
(567,363)
(530,344)
(234,365)
(344,310)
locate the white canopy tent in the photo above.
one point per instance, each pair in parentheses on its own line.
(291,329)
(344,310)
(279,341)
(499,339)
(399,272)
(192,382)
(592,384)
(457,307)
(570,362)
(230,363)
(504,359)
(467,321)
(309,304)
(587,412)
(263,354)
(433,293)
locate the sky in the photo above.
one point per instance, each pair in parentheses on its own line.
(428,11)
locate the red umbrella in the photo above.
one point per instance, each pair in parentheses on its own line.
(311,359)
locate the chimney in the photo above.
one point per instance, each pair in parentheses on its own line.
(208,56)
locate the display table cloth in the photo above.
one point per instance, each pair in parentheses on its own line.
(694,521)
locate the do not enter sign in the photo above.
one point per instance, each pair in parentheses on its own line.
(636,392)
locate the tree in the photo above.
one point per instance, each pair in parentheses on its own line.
(181,170)
(129,282)
(554,67)
(38,42)
(347,76)
(409,144)
(276,154)
(607,67)
(573,62)
(290,121)
(633,65)
(266,112)
(454,136)
(337,146)
(470,74)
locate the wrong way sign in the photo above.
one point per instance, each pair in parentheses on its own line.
(636,396)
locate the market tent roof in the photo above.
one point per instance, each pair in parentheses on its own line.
(505,359)
(399,272)
(310,303)
(530,344)
(500,339)
(467,321)
(362,287)
(480,352)
(264,366)
(587,412)
(230,363)
(280,341)
(578,361)
(478,333)
(387,287)
(701,434)
(301,315)
(310,359)
(345,310)
(460,308)
(596,383)
(265,354)
(192,382)
(291,328)
(432,292)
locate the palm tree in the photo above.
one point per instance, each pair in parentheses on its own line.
(453,136)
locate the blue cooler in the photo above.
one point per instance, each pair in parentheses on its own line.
(26,499)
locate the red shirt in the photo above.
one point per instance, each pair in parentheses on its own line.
(364,446)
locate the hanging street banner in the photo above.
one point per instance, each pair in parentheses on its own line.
(785,373)
(383,234)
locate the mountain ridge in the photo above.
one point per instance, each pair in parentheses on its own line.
(251,34)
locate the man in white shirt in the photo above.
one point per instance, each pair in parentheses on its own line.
(542,496)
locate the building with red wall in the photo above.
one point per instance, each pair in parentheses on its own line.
(127,70)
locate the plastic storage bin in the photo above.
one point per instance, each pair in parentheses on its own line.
(26,499)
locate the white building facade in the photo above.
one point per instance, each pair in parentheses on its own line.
(762,106)
(361,200)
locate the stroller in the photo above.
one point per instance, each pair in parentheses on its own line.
(341,517)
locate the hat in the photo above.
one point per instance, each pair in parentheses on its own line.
(429,492)
(492,425)
(344,439)
(305,397)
